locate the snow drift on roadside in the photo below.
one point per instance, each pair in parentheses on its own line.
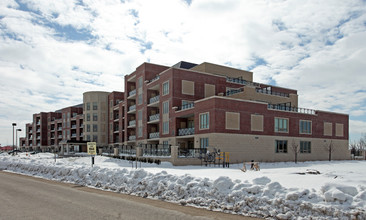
(260,197)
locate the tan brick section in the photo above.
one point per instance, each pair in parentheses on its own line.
(339,130)
(232,121)
(262,148)
(209,90)
(257,122)
(187,87)
(328,129)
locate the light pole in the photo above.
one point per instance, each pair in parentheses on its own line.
(14,124)
(16,137)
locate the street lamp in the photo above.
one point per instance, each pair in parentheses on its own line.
(16,137)
(14,124)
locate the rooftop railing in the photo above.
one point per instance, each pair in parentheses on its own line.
(241,81)
(270,92)
(234,91)
(292,109)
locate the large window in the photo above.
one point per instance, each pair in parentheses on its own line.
(166,88)
(305,127)
(281,125)
(203,142)
(139,132)
(139,99)
(95,116)
(95,106)
(139,82)
(305,147)
(281,146)
(87,128)
(87,117)
(95,128)
(204,120)
(166,127)
(88,106)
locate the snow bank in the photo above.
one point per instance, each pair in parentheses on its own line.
(260,197)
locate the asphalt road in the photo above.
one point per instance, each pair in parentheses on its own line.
(24,197)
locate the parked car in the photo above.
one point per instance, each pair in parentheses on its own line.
(14,151)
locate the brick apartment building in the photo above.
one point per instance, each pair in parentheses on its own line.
(205,106)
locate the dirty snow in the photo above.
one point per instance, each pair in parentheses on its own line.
(277,191)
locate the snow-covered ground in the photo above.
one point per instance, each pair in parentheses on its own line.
(277,191)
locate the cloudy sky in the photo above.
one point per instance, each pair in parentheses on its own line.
(53,51)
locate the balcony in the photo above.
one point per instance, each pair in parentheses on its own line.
(116,117)
(270,92)
(60,136)
(186,106)
(132,108)
(132,123)
(132,138)
(185,131)
(155,117)
(292,109)
(39,138)
(73,126)
(132,93)
(153,135)
(154,99)
(241,81)
(59,128)
(38,130)
(157,77)
(234,91)
(38,122)
(73,135)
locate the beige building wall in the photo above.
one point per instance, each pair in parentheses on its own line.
(262,148)
(250,93)
(101,98)
(224,71)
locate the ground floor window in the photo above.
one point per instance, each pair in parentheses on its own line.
(203,142)
(281,146)
(305,147)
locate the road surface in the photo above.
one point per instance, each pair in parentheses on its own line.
(24,197)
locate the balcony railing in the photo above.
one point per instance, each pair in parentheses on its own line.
(38,130)
(59,128)
(159,150)
(132,123)
(132,93)
(234,91)
(154,99)
(186,106)
(132,108)
(60,136)
(116,117)
(73,135)
(73,126)
(154,79)
(154,135)
(270,92)
(193,153)
(132,138)
(185,131)
(154,117)
(292,109)
(241,81)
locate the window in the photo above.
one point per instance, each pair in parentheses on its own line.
(281,125)
(139,100)
(305,147)
(139,133)
(88,137)
(166,107)
(95,128)
(204,120)
(166,88)
(140,82)
(87,128)
(281,146)
(87,106)
(165,144)
(203,142)
(95,106)
(305,127)
(166,127)
(95,138)
(139,115)
(95,116)
(88,117)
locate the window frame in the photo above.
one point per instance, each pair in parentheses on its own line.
(204,121)
(305,147)
(204,143)
(301,130)
(284,146)
(279,121)
(165,88)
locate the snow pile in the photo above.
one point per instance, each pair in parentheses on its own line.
(261,196)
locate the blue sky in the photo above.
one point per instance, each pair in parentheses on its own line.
(53,51)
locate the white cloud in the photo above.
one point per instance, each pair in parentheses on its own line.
(316,47)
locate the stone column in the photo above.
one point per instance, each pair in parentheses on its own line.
(174,154)
(139,152)
(116,151)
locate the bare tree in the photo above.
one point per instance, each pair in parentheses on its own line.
(330,149)
(295,148)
